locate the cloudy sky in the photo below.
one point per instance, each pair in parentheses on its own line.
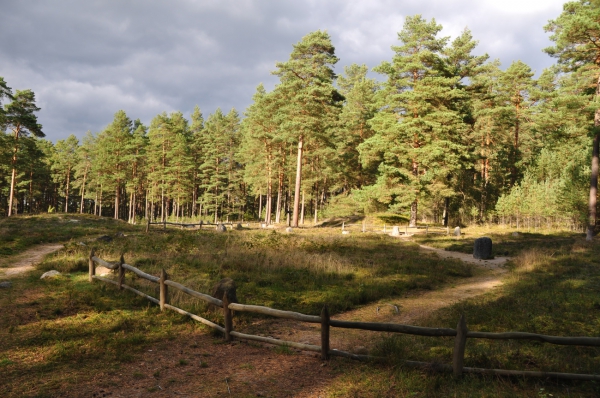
(87,59)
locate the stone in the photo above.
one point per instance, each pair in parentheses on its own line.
(345,232)
(239,226)
(360,350)
(457,231)
(101,271)
(263,225)
(483,248)
(221,228)
(81,244)
(288,229)
(119,234)
(5,285)
(224,287)
(396,231)
(515,234)
(104,238)
(50,274)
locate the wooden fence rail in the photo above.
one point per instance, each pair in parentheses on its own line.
(385,228)
(461,333)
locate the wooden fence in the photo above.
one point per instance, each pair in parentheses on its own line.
(184,225)
(389,229)
(461,333)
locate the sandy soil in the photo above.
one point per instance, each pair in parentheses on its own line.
(24,262)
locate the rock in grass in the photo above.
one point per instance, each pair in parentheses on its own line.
(50,274)
(360,350)
(483,248)
(239,226)
(5,285)
(396,231)
(515,234)
(221,228)
(288,229)
(457,231)
(104,238)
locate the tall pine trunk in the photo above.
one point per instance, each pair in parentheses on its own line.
(594,177)
(298,183)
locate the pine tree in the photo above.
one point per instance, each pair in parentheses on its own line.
(418,130)
(112,156)
(311,103)
(19,116)
(64,162)
(576,34)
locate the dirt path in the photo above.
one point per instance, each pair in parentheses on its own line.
(24,262)
(411,308)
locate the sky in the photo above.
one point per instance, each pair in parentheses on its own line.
(85,60)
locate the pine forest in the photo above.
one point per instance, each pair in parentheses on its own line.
(433,135)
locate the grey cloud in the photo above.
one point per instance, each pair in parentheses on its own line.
(87,59)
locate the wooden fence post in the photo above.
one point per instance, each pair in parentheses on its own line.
(121,272)
(384,231)
(343,226)
(447,230)
(458,355)
(92,266)
(325,333)
(406,233)
(426,230)
(165,223)
(227,318)
(148,225)
(364,225)
(164,289)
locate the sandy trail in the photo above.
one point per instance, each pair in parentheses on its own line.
(24,262)
(412,307)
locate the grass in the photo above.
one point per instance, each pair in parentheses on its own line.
(55,334)
(549,290)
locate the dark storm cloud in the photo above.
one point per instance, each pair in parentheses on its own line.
(87,59)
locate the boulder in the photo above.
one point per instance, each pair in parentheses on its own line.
(5,285)
(221,228)
(457,231)
(239,226)
(396,231)
(288,229)
(119,234)
(224,287)
(50,274)
(345,232)
(483,248)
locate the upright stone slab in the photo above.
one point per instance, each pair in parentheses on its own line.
(396,231)
(483,248)
(221,228)
(457,231)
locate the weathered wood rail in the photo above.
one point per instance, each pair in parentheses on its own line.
(386,229)
(460,334)
(185,225)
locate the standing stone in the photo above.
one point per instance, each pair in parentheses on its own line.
(239,226)
(515,234)
(483,248)
(221,228)
(288,229)
(396,231)
(457,231)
